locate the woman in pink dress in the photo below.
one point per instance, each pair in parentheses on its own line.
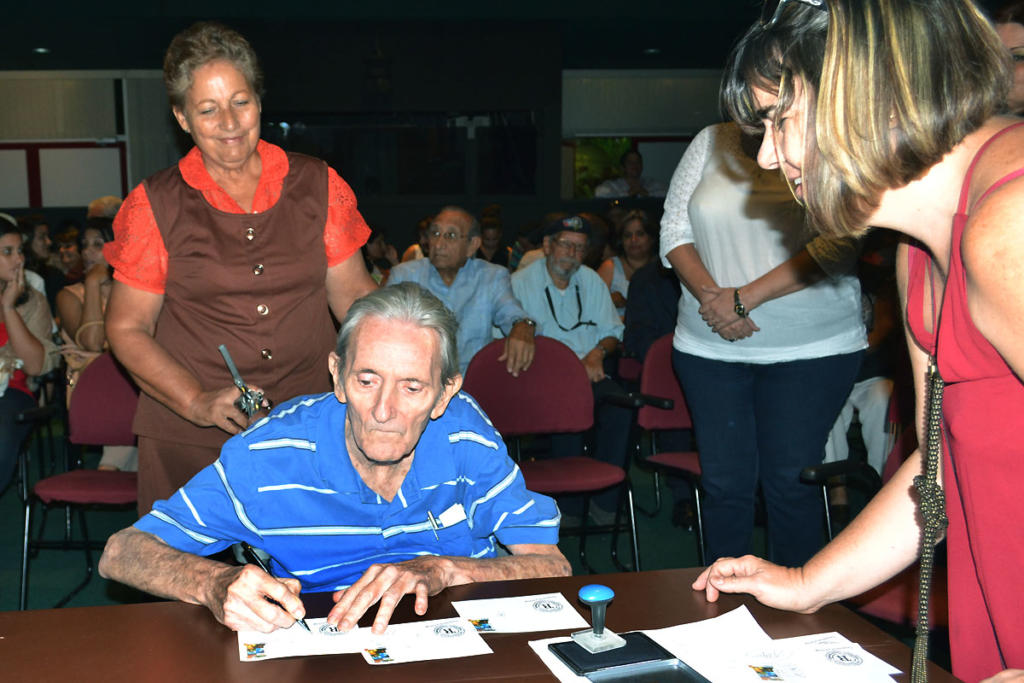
(872,115)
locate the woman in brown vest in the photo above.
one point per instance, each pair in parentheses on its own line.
(240,244)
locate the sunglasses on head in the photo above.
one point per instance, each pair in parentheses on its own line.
(773,8)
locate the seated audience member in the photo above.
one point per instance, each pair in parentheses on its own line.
(410,467)
(600,244)
(103,207)
(638,242)
(477,292)
(534,235)
(380,257)
(571,304)
(492,246)
(25,346)
(419,249)
(632,183)
(651,311)
(81,307)
(69,259)
(35,232)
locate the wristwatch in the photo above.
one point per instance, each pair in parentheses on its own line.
(738,306)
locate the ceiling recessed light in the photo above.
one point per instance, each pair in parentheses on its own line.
(652,51)
(41,50)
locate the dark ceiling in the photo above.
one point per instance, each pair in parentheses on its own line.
(595,35)
(118,34)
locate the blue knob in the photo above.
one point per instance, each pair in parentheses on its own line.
(595,592)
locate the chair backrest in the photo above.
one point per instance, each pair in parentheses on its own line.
(103,405)
(553,396)
(659,379)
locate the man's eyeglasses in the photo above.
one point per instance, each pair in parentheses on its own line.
(571,246)
(773,8)
(450,236)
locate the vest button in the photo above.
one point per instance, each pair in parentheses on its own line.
(250,234)
(263,309)
(266,354)
(257,269)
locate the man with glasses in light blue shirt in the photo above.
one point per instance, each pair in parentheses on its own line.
(571,303)
(477,292)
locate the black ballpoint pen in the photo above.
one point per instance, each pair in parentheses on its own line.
(251,556)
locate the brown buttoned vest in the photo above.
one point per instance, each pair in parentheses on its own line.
(253,282)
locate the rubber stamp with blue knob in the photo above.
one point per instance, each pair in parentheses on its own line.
(598,638)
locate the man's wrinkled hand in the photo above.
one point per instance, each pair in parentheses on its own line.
(593,362)
(519,349)
(237,598)
(386,584)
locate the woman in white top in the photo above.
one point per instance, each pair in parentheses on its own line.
(639,241)
(763,394)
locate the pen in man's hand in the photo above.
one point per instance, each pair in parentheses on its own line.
(251,556)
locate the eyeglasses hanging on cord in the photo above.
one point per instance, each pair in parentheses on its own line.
(579,312)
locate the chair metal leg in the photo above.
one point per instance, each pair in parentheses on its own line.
(23,596)
(632,528)
(88,563)
(700,524)
(657,493)
(583,536)
(828,511)
(617,525)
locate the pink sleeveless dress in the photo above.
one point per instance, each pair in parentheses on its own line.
(983,464)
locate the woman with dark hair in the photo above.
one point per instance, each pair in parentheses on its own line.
(637,243)
(81,307)
(379,256)
(25,346)
(240,244)
(870,112)
(1010,29)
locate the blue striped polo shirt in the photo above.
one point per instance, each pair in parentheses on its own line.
(286,485)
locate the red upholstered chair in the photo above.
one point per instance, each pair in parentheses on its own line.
(101,412)
(629,369)
(552,397)
(665,409)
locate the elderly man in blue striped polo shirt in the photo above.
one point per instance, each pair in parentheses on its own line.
(395,483)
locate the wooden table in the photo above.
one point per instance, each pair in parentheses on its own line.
(168,641)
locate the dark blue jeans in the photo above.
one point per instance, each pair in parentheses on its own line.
(761,424)
(11,433)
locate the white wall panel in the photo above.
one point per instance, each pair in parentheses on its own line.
(76,176)
(14,175)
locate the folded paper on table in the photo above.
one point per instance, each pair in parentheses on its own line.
(521,614)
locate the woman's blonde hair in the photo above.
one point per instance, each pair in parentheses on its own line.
(891,86)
